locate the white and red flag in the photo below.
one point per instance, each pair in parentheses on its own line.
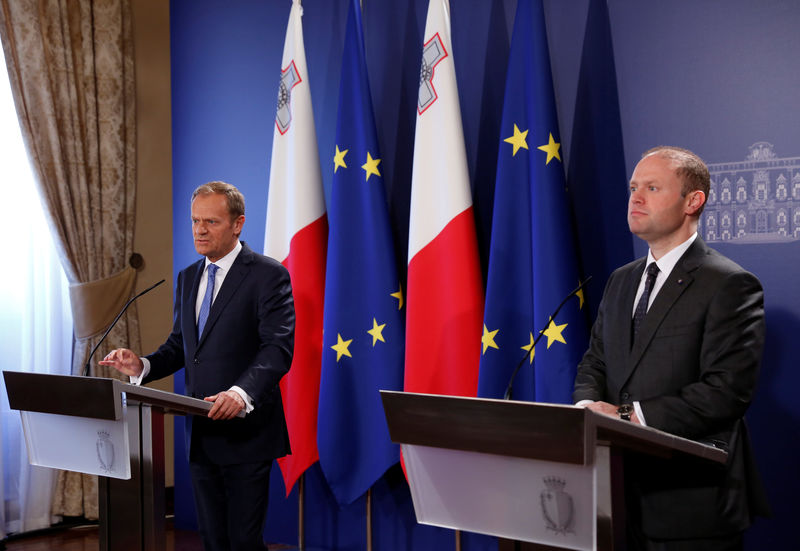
(297,236)
(445,289)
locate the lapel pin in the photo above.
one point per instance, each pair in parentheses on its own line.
(680,282)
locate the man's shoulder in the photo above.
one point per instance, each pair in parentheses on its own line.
(713,261)
(260,261)
(631,266)
(192,268)
(248,255)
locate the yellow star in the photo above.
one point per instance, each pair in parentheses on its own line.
(376,332)
(579,294)
(338,159)
(518,140)
(551,148)
(399,296)
(488,339)
(553,333)
(529,348)
(371,166)
(341,347)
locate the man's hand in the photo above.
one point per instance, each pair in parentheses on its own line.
(227,405)
(611,410)
(124,361)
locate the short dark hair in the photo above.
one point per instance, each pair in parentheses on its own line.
(689,167)
(233,196)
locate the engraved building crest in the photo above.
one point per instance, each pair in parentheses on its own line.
(753,201)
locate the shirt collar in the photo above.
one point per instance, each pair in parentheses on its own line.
(667,262)
(226,261)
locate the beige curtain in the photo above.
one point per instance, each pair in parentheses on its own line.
(70,63)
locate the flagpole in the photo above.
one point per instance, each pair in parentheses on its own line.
(369,519)
(458,540)
(301,540)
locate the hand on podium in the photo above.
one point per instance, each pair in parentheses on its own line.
(124,361)
(227,405)
(611,410)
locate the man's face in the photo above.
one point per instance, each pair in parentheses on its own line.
(215,232)
(656,210)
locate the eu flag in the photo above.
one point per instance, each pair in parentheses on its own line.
(532,258)
(363,321)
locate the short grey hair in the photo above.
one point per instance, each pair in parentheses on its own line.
(233,196)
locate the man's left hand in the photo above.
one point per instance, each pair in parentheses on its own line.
(227,405)
(611,410)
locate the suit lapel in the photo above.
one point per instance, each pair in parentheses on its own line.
(188,305)
(676,284)
(631,285)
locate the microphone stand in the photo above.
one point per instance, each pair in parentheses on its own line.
(507,395)
(113,323)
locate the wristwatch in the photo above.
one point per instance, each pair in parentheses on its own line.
(625,411)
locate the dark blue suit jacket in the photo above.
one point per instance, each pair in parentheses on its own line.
(248,341)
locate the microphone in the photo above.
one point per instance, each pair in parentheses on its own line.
(507,395)
(113,323)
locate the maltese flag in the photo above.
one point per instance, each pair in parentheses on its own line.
(445,289)
(297,236)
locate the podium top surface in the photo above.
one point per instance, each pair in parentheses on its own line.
(550,432)
(93,397)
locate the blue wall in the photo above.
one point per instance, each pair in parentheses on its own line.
(713,76)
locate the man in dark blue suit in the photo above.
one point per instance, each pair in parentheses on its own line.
(233,331)
(677,346)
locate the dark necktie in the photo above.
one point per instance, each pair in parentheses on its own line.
(641,307)
(205,307)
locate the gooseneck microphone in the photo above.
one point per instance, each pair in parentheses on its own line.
(113,323)
(507,395)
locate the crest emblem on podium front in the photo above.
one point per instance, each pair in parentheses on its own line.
(105,451)
(558,508)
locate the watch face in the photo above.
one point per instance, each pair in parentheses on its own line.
(625,411)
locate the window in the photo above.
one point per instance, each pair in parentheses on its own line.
(35,320)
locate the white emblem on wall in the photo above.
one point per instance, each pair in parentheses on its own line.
(753,201)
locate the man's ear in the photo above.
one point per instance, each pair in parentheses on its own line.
(238,222)
(696,200)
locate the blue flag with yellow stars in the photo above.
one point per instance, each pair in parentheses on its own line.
(364,330)
(532,259)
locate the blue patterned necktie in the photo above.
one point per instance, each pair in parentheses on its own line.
(641,307)
(205,308)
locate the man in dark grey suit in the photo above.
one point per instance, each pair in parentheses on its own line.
(233,331)
(677,346)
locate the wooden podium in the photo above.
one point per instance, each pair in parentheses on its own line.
(109,428)
(530,472)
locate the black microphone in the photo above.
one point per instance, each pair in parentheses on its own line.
(113,323)
(507,395)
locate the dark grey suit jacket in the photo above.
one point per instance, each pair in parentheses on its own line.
(248,341)
(693,368)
